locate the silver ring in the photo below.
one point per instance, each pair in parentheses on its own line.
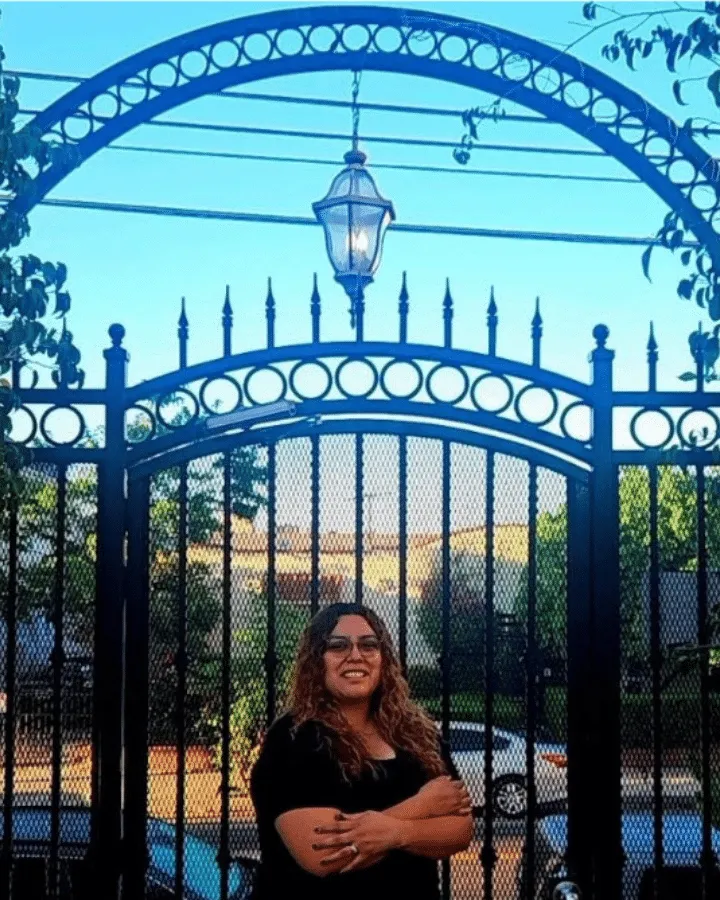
(354,849)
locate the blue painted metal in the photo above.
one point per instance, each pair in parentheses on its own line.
(419,405)
(380,38)
(605,593)
(452,50)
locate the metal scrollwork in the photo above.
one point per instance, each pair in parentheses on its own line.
(386,374)
(211,383)
(16,430)
(295,376)
(702,437)
(465,389)
(646,414)
(693,428)
(69,438)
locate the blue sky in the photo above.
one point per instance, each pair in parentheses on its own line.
(134,269)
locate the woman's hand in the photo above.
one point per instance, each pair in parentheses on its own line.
(446,797)
(372,833)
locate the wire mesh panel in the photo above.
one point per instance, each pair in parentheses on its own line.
(207,591)
(670,711)
(47,585)
(460,551)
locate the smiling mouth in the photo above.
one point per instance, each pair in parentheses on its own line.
(354,677)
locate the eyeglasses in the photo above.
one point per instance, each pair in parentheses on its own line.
(342,645)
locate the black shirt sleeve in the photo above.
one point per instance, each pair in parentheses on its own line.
(448,760)
(291,773)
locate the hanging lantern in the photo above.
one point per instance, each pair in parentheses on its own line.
(354,217)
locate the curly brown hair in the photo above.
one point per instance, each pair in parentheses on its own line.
(400,721)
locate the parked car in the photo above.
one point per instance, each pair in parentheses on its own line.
(31,849)
(509,791)
(680,878)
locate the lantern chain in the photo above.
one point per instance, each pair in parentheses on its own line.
(357,75)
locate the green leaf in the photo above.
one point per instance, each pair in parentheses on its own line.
(672,51)
(49,274)
(676,88)
(687,376)
(685,45)
(646,262)
(60,275)
(713,85)
(62,303)
(685,257)
(589,11)
(676,239)
(685,288)
(714,307)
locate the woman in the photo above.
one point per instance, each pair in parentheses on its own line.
(352,788)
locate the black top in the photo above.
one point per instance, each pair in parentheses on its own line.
(291,774)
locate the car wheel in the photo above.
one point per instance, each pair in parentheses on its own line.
(510,797)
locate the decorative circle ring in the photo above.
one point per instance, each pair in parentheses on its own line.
(45,434)
(256,371)
(32,430)
(463,376)
(664,414)
(397,395)
(373,377)
(228,379)
(308,365)
(152,423)
(705,442)
(570,408)
(544,419)
(170,396)
(500,408)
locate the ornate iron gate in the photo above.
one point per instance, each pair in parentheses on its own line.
(91,491)
(472,500)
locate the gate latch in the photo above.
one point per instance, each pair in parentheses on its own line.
(566,890)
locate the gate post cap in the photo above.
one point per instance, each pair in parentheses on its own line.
(601,333)
(117,334)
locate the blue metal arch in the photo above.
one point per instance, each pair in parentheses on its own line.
(194,448)
(420,412)
(407,41)
(451,356)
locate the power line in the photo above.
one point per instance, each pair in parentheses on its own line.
(277,219)
(334,136)
(345,104)
(306,101)
(403,167)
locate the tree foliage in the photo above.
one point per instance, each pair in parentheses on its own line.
(690,36)
(684,35)
(37,573)
(467,614)
(29,287)
(248,710)
(677,550)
